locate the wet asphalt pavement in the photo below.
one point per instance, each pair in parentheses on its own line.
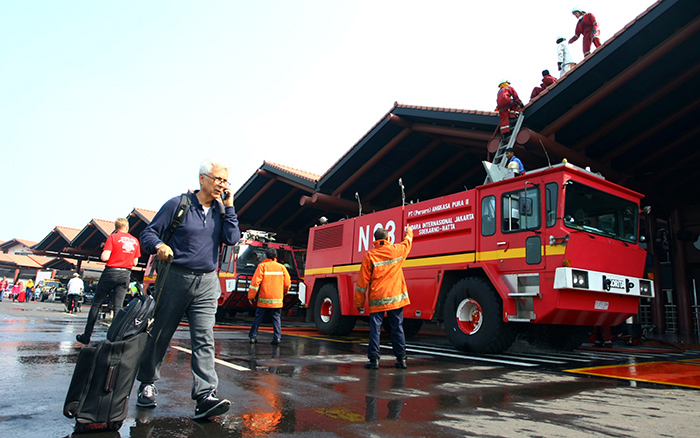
(317,387)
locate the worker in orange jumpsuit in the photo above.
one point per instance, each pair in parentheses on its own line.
(547,80)
(507,104)
(269,284)
(587,26)
(381,282)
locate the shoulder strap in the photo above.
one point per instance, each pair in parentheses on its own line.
(180,213)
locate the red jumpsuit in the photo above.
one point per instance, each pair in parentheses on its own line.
(508,103)
(546,82)
(588,27)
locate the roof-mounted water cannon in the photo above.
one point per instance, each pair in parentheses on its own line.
(261,236)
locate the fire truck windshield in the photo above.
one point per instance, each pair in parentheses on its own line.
(596,212)
(249,256)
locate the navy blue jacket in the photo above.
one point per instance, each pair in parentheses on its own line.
(197,240)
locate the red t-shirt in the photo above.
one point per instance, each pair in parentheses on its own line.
(125,248)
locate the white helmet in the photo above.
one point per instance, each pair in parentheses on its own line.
(503,81)
(576,10)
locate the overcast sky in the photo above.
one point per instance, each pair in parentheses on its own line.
(110,105)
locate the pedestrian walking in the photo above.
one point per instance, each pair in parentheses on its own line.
(381,282)
(3,287)
(270,283)
(75,292)
(121,253)
(191,287)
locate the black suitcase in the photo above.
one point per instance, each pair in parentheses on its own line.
(98,395)
(101,385)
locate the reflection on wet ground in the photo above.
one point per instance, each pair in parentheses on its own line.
(318,387)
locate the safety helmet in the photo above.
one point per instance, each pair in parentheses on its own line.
(513,166)
(503,81)
(576,10)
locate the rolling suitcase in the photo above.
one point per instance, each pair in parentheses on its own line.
(98,395)
(99,391)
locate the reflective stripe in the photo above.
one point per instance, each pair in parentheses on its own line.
(274,273)
(270,301)
(388,300)
(253,287)
(387,262)
(361,289)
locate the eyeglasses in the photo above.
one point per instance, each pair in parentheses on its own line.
(219,181)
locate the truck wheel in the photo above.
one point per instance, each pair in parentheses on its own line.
(329,321)
(473,318)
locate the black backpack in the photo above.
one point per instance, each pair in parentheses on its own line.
(132,319)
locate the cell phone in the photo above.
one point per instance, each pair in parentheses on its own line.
(224,195)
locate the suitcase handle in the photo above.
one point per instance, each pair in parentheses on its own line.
(111,377)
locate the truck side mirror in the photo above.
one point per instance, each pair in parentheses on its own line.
(525,206)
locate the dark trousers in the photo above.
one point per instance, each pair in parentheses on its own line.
(276,322)
(398,339)
(112,279)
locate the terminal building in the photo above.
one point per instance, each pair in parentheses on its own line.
(628,111)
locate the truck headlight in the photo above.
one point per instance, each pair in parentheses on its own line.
(645,288)
(579,279)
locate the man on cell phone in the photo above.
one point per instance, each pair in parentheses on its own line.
(191,286)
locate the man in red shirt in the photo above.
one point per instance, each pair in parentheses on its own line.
(587,26)
(121,252)
(507,104)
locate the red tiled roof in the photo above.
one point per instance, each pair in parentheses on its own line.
(67,232)
(107,227)
(19,261)
(145,214)
(446,110)
(300,173)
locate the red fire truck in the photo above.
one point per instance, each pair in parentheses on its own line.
(548,253)
(237,265)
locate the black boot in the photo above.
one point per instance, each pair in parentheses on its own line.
(373,364)
(400,362)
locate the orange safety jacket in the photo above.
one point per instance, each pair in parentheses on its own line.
(269,284)
(381,278)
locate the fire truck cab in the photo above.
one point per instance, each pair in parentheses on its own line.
(548,254)
(237,264)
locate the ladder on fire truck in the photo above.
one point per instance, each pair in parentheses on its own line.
(500,160)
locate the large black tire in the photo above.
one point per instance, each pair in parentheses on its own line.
(473,317)
(557,337)
(327,315)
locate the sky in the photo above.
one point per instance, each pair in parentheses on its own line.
(107,106)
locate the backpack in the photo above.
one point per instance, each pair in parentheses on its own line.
(132,319)
(180,212)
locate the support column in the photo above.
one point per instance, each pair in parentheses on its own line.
(680,273)
(657,303)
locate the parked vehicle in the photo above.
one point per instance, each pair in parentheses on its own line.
(46,287)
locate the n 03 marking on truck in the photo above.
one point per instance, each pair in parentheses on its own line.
(364,234)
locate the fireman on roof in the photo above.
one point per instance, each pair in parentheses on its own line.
(547,80)
(587,26)
(269,284)
(381,282)
(507,104)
